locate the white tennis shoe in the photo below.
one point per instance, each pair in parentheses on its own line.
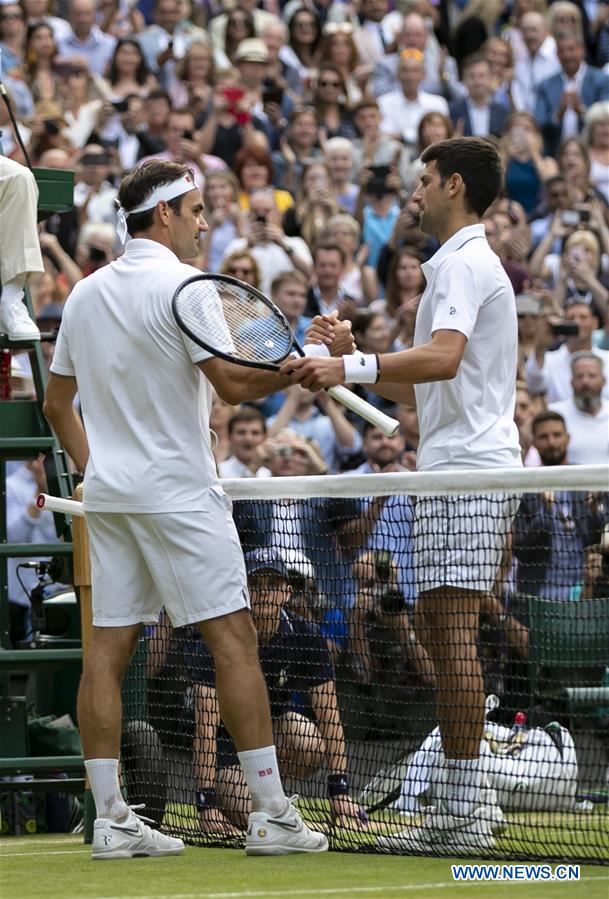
(16,323)
(443,834)
(132,838)
(283,835)
(490,811)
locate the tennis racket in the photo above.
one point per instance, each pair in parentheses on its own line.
(236,322)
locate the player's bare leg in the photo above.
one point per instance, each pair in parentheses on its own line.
(99,695)
(244,707)
(447,626)
(240,684)
(118,832)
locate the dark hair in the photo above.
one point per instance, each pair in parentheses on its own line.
(477,161)
(366,102)
(581,146)
(246,414)
(142,70)
(159,94)
(33,29)
(362,321)
(137,186)
(427,118)
(391,287)
(230,44)
(473,60)
(329,67)
(291,29)
(327,246)
(555,179)
(547,415)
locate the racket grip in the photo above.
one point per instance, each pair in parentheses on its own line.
(367,411)
(57,504)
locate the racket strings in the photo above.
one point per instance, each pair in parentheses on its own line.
(228,318)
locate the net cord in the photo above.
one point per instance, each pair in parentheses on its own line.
(415,483)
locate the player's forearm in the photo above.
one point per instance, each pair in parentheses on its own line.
(70,432)
(325,707)
(205,747)
(402,394)
(419,365)
(258,384)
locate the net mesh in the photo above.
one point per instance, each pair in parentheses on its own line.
(354,635)
(228,317)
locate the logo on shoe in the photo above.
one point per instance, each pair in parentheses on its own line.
(296,826)
(134,832)
(261,832)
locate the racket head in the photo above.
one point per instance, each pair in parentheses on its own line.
(233,321)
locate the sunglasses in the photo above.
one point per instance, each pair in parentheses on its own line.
(7,16)
(324,83)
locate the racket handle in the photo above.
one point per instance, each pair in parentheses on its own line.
(367,411)
(57,504)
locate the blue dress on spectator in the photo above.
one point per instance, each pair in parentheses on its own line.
(523,184)
(377,230)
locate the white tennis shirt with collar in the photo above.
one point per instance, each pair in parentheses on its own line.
(144,402)
(468,422)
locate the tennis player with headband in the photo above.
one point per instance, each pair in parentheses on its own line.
(463,364)
(160,526)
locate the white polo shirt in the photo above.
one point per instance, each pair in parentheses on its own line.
(402,116)
(144,402)
(468,422)
(554,378)
(589,434)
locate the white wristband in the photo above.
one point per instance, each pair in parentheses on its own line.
(316,349)
(361,368)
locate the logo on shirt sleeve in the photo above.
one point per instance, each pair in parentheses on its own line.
(452,311)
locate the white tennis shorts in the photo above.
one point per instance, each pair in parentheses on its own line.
(459,540)
(189,562)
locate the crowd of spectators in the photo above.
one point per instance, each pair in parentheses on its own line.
(304,122)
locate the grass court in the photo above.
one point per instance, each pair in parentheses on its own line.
(58,867)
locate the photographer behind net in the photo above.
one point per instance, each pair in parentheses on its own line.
(25,523)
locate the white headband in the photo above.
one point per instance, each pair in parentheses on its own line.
(163,192)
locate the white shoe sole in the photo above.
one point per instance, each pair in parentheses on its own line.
(282,849)
(414,844)
(102,855)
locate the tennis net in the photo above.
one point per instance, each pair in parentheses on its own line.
(352,684)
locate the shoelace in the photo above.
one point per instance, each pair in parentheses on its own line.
(134,809)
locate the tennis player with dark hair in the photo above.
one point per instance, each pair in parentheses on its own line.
(160,525)
(463,364)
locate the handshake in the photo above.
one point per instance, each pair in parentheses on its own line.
(324,369)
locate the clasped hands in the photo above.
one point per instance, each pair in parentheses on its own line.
(320,372)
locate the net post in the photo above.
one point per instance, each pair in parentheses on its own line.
(82,581)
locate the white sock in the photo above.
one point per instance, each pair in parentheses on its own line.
(462,785)
(261,773)
(103,777)
(12,291)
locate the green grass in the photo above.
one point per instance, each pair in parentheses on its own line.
(59,867)
(545,835)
